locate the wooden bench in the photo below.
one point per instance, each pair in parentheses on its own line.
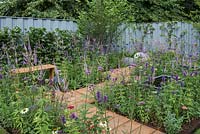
(49,67)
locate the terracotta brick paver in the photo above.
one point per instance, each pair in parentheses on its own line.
(110,114)
(83,90)
(118,124)
(91,112)
(117,121)
(127,127)
(143,130)
(68,96)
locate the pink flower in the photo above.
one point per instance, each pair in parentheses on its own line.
(70,107)
(184,108)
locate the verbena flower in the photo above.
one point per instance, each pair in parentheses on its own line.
(141,103)
(150,79)
(41,81)
(146,64)
(25,61)
(24,111)
(60,132)
(132,65)
(111,70)
(122,82)
(74,116)
(163,79)
(193,73)
(99,97)
(1,76)
(105,98)
(87,71)
(152,69)
(108,77)
(63,119)
(100,68)
(176,77)
(184,73)
(114,79)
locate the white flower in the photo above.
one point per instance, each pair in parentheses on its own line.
(137,55)
(55,132)
(25,110)
(141,55)
(103,124)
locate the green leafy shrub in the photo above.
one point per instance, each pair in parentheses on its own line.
(29,106)
(37,46)
(102,20)
(169,105)
(172,124)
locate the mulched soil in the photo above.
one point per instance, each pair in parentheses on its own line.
(191,127)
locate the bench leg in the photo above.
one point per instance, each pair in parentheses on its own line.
(51,73)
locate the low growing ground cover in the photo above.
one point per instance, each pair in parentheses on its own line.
(166,102)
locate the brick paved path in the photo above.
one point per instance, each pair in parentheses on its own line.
(118,124)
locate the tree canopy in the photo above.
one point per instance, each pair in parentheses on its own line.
(142,10)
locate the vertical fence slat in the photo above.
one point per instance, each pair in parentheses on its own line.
(25,23)
(131,37)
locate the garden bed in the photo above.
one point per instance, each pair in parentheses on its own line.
(167,106)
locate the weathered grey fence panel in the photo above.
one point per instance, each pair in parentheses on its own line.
(155,36)
(25,23)
(152,36)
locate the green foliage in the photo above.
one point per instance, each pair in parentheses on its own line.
(42,8)
(169,105)
(75,70)
(141,10)
(172,124)
(29,107)
(197,132)
(37,46)
(101,20)
(157,10)
(197,26)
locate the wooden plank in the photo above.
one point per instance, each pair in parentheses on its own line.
(34,68)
